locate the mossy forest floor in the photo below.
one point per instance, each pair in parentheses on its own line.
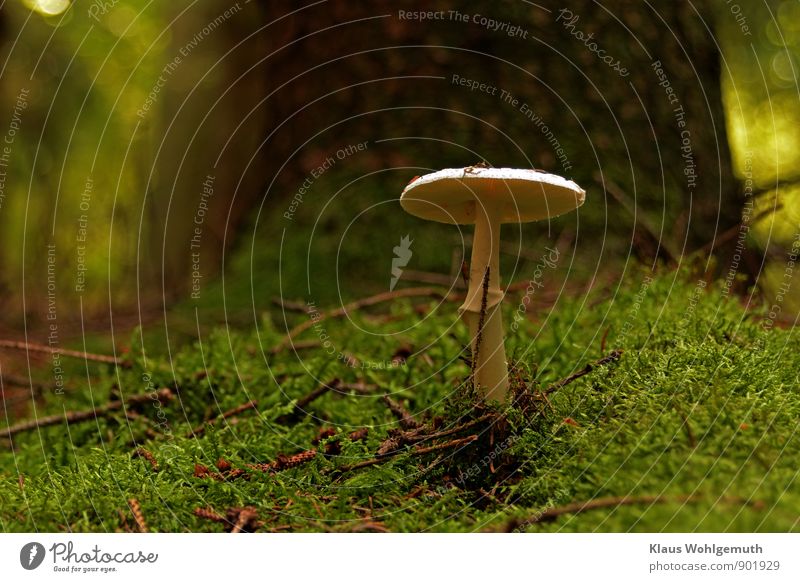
(687,421)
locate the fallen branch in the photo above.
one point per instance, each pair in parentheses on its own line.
(210,514)
(283,462)
(619,195)
(199,430)
(136,510)
(612,357)
(412,452)
(398,410)
(451,431)
(21,382)
(358,388)
(430,278)
(34,347)
(359,304)
(734,231)
(71,417)
(517,525)
(287,305)
(581,506)
(300,405)
(246,520)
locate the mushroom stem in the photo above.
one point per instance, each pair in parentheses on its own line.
(490,368)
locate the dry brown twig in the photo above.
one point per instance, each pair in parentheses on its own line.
(399,411)
(303,402)
(614,502)
(163,395)
(199,430)
(413,452)
(41,348)
(246,520)
(579,507)
(612,357)
(210,514)
(360,304)
(138,516)
(283,462)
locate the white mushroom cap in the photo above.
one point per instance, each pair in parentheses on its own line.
(451,195)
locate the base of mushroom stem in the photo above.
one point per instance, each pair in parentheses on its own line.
(491,369)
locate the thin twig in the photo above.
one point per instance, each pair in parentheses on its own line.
(359,304)
(733,231)
(430,278)
(612,357)
(358,388)
(247,519)
(689,431)
(71,417)
(620,196)
(136,510)
(210,514)
(199,430)
(283,462)
(412,452)
(34,347)
(603,341)
(465,273)
(450,431)
(287,305)
(581,506)
(398,410)
(302,403)
(21,382)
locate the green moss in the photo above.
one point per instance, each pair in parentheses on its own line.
(700,411)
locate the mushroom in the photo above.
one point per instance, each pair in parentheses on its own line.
(488,197)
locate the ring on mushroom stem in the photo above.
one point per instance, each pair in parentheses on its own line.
(487,198)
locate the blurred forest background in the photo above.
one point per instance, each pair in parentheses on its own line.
(165,162)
